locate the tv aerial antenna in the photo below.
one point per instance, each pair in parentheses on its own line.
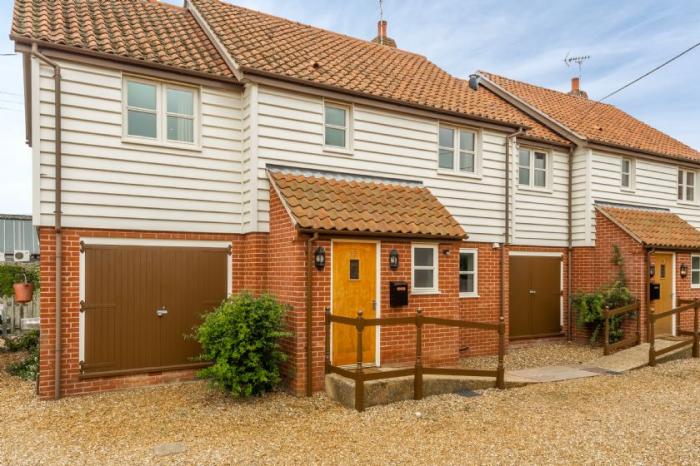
(569,61)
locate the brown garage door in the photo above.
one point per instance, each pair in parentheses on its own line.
(125,287)
(535,296)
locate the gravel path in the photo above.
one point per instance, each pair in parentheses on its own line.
(647,416)
(537,355)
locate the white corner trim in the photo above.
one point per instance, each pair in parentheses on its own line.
(35,72)
(253,101)
(232,64)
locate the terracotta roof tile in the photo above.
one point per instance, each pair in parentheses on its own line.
(148,31)
(265,43)
(654,228)
(598,122)
(364,207)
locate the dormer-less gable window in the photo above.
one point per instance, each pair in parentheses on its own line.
(160,112)
(336,122)
(627,174)
(457,150)
(686,185)
(533,168)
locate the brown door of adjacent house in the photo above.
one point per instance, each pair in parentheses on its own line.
(535,296)
(663,275)
(141,301)
(354,288)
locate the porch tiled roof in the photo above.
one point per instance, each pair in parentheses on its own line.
(152,32)
(655,228)
(328,204)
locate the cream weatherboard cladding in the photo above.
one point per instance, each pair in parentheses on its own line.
(391,144)
(111,183)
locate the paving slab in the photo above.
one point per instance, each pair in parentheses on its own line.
(633,358)
(168,449)
(552,373)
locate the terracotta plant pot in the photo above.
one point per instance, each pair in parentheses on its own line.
(23,292)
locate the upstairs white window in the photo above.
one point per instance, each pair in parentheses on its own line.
(336,120)
(532,168)
(424,263)
(686,185)
(627,174)
(468,270)
(160,112)
(457,150)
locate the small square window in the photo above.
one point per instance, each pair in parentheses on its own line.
(457,150)
(695,271)
(686,185)
(468,265)
(532,168)
(336,127)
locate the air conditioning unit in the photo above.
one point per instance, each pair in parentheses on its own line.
(22,256)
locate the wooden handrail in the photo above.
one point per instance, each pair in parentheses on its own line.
(609,314)
(693,304)
(360,376)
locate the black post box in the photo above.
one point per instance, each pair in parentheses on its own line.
(398,294)
(654,291)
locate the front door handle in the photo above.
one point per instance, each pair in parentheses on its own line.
(161,311)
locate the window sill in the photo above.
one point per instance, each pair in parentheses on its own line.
(535,190)
(687,203)
(627,190)
(695,286)
(425,292)
(337,151)
(158,143)
(468,295)
(446,172)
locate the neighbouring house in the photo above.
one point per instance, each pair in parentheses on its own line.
(18,239)
(202,150)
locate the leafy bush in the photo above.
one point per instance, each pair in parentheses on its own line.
(26,342)
(28,368)
(590,307)
(15,273)
(241,339)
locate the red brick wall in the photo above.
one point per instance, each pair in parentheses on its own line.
(245,248)
(684,290)
(594,267)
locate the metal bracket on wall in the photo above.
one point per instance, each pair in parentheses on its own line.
(82,247)
(230,249)
(82,306)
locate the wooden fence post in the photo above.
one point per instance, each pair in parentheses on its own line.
(418,377)
(501,371)
(606,333)
(639,323)
(696,328)
(328,341)
(652,338)
(359,379)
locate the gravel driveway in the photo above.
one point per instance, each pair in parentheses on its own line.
(648,416)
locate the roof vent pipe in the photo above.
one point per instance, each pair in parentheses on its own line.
(474,81)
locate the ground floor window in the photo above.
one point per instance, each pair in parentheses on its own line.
(695,271)
(468,272)
(424,268)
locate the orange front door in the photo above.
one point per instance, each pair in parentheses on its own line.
(354,289)
(663,275)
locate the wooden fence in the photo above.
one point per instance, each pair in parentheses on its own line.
(12,313)
(417,371)
(690,304)
(608,315)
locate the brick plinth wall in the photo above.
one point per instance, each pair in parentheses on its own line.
(248,273)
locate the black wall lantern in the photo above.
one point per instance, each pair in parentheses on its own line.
(652,270)
(684,270)
(320,258)
(394,259)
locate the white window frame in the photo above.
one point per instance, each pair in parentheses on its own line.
(531,169)
(692,284)
(631,174)
(456,151)
(435,268)
(348,128)
(684,186)
(161,112)
(475,272)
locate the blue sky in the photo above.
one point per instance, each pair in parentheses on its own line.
(522,40)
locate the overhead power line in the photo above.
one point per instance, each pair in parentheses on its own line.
(654,70)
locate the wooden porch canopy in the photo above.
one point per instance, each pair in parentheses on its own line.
(654,228)
(342,204)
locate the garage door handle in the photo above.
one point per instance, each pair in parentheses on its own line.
(533,292)
(160,312)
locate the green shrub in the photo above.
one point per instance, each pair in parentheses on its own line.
(590,307)
(241,339)
(14,273)
(26,342)
(28,368)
